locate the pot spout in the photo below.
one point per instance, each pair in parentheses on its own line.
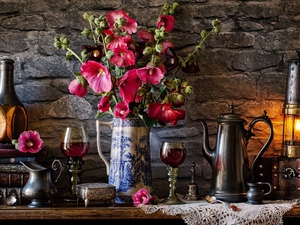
(207,151)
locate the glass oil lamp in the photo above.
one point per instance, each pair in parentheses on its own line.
(291,111)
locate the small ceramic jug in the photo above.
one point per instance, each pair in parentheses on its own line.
(256,193)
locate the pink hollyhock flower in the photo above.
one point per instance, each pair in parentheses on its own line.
(30,141)
(78,88)
(116,41)
(145,36)
(128,85)
(122,57)
(103,104)
(121,110)
(141,197)
(120,19)
(164,113)
(165,45)
(166,21)
(150,74)
(97,76)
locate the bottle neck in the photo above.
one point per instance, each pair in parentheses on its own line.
(8,95)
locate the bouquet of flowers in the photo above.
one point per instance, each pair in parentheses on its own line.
(134,72)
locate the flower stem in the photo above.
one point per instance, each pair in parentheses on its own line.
(73,53)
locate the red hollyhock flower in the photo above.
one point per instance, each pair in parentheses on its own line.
(120,19)
(191,68)
(103,104)
(150,74)
(78,88)
(97,76)
(121,110)
(166,21)
(96,52)
(30,141)
(122,57)
(164,113)
(171,59)
(128,85)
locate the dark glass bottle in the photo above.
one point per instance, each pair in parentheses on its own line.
(13,116)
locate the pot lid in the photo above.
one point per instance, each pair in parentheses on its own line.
(231,116)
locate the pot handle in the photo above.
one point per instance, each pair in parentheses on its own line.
(54,167)
(98,128)
(263,118)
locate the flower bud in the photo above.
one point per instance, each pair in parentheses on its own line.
(170,84)
(109,54)
(188,89)
(216,30)
(85,32)
(177,99)
(148,51)
(158,47)
(203,33)
(107,39)
(98,31)
(68,55)
(85,16)
(216,23)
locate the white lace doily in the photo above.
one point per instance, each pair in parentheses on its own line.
(201,212)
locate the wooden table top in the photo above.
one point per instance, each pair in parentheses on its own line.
(72,211)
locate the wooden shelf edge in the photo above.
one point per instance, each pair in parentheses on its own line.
(94,213)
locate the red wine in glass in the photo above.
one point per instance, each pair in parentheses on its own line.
(74,149)
(173,154)
(74,144)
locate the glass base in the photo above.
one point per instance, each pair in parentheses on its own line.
(172,201)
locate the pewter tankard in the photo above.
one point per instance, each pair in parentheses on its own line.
(229,160)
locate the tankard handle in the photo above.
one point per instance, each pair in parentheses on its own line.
(54,167)
(98,128)
(263,118)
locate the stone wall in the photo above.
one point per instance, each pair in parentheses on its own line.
(246,64)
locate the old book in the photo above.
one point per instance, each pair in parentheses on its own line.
(17,159)
(13,168)
(14,156)
(14,153)
(6,192)
(13,179)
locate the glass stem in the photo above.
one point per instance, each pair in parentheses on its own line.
(172,173)
(74,171)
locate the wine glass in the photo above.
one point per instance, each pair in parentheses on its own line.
(74,144)
(172,154)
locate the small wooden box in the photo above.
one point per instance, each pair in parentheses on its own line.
(95,192)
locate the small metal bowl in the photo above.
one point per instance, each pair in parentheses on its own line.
(11,200)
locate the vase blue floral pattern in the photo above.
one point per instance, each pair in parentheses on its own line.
(130,158)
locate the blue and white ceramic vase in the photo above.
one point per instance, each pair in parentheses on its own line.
(129,167)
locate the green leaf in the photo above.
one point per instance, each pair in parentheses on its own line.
(148,122)
(99,114)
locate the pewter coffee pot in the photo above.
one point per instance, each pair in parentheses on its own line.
(229,160)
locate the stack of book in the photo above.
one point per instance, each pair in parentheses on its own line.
(13,175)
